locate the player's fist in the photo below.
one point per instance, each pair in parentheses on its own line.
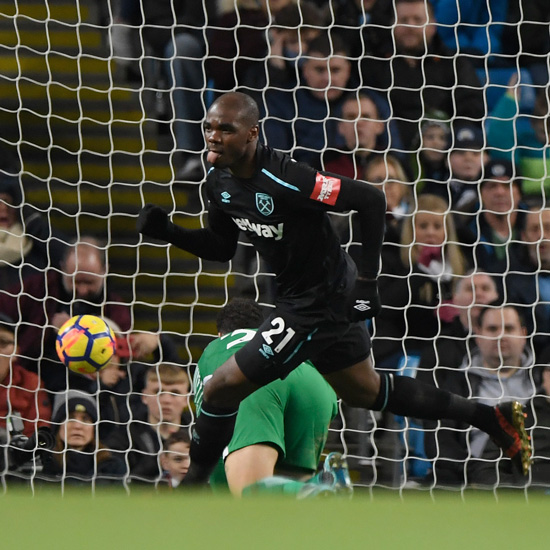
(365,301)
(153,221)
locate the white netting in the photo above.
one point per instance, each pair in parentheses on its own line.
(101,105)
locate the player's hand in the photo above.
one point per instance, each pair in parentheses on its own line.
(365,300)
(153,221)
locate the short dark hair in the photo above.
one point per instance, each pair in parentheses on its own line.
(328,45)
(181,436)
(497,304)
(239,313)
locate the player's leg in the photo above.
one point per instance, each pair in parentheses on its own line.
(213,429)
(361,386)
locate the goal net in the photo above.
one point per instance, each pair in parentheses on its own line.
(101,104)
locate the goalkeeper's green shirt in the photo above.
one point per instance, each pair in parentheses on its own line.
(292,415)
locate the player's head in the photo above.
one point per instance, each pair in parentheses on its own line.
(239,313)
(166,393)
(84,270)
(231,130)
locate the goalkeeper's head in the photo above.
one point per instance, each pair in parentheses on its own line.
(239,313)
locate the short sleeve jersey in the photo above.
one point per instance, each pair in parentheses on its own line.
(282,210)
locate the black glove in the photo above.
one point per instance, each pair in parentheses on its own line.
(364,300)
(153,221)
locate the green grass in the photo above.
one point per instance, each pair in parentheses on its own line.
(143,519)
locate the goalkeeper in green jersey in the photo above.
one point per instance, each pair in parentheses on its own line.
(281,428)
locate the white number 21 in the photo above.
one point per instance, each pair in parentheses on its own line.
(279,327)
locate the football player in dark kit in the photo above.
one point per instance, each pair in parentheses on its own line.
(322,297)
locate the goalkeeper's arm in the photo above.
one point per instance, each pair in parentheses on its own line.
(216,242)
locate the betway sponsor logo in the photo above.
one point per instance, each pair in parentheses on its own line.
(326,189)
(261,229)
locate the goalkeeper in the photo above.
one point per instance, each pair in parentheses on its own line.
(280,428)
(322,297)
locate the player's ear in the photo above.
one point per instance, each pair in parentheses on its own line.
(253,133)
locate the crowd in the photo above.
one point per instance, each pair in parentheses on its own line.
(391,92)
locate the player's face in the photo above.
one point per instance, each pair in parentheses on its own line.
(78,431)
(501,338)
(360,125)
(176,460)
(498,196)
(429,228)
(8,214)
(327,78)
(412,32)
(166,403)
(537,235)
(228,137)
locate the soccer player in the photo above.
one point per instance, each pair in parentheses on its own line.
(322,297)
(281,428)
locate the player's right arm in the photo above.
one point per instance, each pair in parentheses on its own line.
(217,241)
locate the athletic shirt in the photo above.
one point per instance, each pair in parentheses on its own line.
(282,209)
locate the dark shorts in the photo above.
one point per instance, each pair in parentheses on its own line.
(284,341)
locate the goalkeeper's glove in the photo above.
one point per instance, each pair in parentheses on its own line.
(153,221)
(364,300)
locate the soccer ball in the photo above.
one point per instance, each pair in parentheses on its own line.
(85,344)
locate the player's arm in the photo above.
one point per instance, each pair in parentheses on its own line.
(217,241)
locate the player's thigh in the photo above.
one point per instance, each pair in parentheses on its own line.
(249,465)
(357,385)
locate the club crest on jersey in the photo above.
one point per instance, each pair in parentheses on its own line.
(226,197)
(264,204)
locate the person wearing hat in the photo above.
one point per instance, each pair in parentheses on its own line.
(21,391)
(26,245)
(78,456)
(498,220)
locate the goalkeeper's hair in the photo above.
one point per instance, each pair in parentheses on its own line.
(239,313)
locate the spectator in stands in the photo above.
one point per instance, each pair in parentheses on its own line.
(455,341)
(415,282)
(475,29)
(365,25)
(304,121)
(26,242)
(420,74)
(175,33)
(466,160)
(364,133)
(43,302)
(500,369)
(527,282)
(293,27)
(429,164)
(21,391)
(526,34)
(499,218)
(527,145)
(123,379)
(78,456)
(166,398)
(237,44)
(175,457)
